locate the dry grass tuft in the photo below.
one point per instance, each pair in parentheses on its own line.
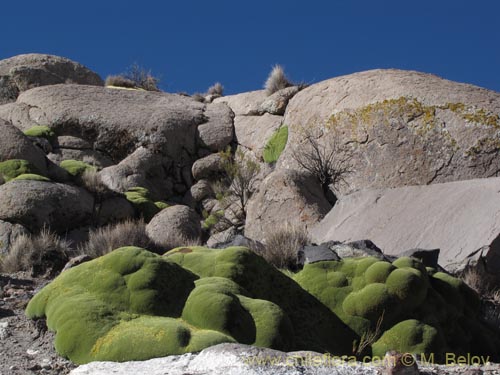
(106,239)
(283,245)
(216,89)
(119,81)
(91,180)
(44,254)
(276,80)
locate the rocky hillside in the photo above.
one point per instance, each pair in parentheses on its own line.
(182,222)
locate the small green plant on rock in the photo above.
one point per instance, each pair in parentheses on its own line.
(276,145)
(41,131)
(13,168)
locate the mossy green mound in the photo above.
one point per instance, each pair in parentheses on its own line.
(422,311)
(31,176)
(75,167)
(132,304)
(41,131)
(12,168)
(142,202)
(410,336)
(275,145)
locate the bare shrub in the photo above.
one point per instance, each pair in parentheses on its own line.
(106,239)
(283,245)
(216,89)
(135,77)
(142,78)
(276,80)
(43,254)
(329,164)
(237,185)
(119,81)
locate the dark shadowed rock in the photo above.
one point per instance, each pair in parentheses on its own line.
(462,219)
(316,253)
(36,204)
(400,127)
(240,240)
(429,258)
(24,72)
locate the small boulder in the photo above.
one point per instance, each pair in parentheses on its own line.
(174,225)
(277,102)
(428,257)
(207,167)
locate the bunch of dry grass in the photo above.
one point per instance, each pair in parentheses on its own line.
(43,254)
(277,80)
(91,180)
(106,239)
(282,246)
(216,89)
(119,81)
(136,77)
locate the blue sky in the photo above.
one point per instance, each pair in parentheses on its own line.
(192,44)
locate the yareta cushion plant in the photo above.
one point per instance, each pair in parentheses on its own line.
(132,304)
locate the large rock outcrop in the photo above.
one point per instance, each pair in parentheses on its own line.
(461,218)
(24,72)
(400,127)
(113,121)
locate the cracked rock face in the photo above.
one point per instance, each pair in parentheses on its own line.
(400,127)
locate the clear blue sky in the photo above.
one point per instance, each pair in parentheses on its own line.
(191,44)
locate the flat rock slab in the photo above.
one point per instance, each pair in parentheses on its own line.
(237,359)
(460,218)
